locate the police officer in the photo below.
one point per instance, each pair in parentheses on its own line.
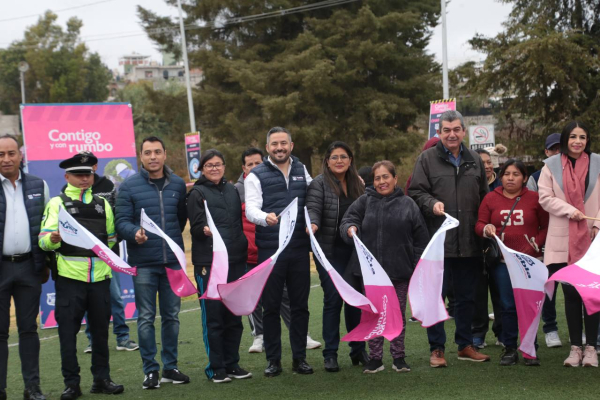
(83,282)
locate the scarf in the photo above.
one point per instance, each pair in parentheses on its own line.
(574,187)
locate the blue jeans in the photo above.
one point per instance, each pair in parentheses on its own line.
(508,309)
(465,273)
(149,282)
(332,307)
(117,310)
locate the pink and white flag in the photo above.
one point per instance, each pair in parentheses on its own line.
(220,263)
(347,292)
(382,294)
(178,279)
(76,235)
(241,296)
(425,287)
(584,276)
(527,277)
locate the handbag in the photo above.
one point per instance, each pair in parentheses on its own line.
(491,251)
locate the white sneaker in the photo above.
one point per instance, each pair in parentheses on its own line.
(257,345)
(312,344)
(552,339)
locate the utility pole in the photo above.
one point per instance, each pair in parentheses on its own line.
(187,70)
(23,67)
(444,53)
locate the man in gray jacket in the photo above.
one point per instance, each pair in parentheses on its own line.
(450,178)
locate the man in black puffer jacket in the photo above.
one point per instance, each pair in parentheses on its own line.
(161,194)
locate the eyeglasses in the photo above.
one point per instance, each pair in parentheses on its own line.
(213,166)
(343,157)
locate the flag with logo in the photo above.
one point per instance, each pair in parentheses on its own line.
(381,293)
(350,295)
(584,276)
(241,296)
(425,287)
(74,234)
(177,276)
(527,277)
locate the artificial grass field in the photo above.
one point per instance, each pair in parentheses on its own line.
(462,379)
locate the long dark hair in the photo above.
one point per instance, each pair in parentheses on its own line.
(354,186)
(566,132)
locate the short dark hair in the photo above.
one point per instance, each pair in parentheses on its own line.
(518,164)
(482,151)
(152,139)
(278,129)
(564,137)
(11,136)
(250,151)
(210,153)
(387,165)
(366,174)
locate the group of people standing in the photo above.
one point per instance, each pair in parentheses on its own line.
(395,225)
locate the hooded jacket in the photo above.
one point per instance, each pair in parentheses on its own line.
(391,227)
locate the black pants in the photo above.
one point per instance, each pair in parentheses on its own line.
(292,268)
(73,299)
(577,315)
(20,281)
(222,331)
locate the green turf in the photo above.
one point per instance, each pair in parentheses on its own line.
(462,379)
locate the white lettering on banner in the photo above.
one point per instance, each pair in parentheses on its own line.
(593,285)
(380,327)
(91,141)
(516,218)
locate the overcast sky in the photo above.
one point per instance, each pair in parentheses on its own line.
(103,17)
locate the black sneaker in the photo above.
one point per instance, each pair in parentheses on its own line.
(106,386)
(509,357)
(400,365)
(362,358)
(174,376)
(220,376)
(151,380)
(33,392)
(238,373)
(531,362)
(373,367)
(71,392)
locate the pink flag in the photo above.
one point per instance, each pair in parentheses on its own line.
(347,292)
(76,235)
(220,263)
(527,277)
(241,296)
(584,275)
(425,287)
(178,279)
(380,291)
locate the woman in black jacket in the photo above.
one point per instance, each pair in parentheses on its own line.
(222,329)
(393,229)
(329,196)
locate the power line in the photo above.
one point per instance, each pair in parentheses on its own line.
(55,11)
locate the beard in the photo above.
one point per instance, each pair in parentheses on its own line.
(280,161)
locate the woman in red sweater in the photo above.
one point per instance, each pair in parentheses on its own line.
(524,232)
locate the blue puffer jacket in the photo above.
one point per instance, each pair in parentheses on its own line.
(166,208)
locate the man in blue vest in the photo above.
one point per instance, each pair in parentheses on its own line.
(22,201)
(270,187)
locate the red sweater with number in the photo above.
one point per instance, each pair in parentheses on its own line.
(528,219)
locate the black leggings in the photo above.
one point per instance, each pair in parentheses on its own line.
(574,311)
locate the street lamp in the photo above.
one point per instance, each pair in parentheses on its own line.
(23,67)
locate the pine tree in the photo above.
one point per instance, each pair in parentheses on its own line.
(356,72)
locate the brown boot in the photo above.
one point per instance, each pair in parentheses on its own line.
(470,353)
(437,359)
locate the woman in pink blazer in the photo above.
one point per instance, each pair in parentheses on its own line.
(569,189)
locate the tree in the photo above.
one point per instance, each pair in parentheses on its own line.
(61,67)
(543,68)
(356,72)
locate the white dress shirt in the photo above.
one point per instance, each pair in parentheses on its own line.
(16,224)
(254,199)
